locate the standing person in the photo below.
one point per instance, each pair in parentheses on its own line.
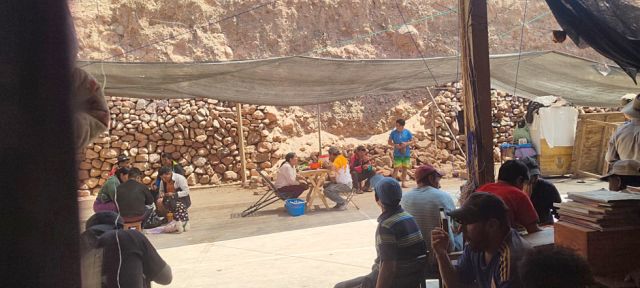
(625,143)
(133,197)
(401,139)
(400,247)
(361,169)
(543,193)
(512,176)
(122,161)
(424,203)
(128,258)
(174,196)
(340,179)
(287,178)
(106,197)
(493,252)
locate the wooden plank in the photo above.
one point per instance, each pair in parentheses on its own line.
(605,196)
(589,174)
(243,170)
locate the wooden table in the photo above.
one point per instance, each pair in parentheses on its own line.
(316,179)
(542,239)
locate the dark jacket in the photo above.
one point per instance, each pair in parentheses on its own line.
(132,196)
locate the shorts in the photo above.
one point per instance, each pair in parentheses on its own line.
(401,162)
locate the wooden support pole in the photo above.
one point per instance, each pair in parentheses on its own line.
(243,170)
(477,90)
(319,133)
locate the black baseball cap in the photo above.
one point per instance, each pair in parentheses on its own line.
(122,158)
(480,206)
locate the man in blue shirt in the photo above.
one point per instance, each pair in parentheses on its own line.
(401,140)
(491,256)
(399,244)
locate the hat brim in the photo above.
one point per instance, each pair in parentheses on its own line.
(534,172)
(629,111)
(465,215)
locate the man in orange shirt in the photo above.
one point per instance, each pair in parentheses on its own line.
(512,176)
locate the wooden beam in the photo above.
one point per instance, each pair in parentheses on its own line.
(243,170)
(477,90)
(319,133)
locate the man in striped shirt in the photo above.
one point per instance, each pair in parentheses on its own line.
(399,244)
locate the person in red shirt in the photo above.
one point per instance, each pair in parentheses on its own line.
(512,176)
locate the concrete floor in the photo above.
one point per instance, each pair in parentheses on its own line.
(273,249)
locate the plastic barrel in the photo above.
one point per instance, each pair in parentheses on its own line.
(295,206)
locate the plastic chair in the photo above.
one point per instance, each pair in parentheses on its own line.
(267,199)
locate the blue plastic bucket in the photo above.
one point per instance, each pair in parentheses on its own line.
(295,206)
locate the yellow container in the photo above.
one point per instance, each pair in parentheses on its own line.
(554,161)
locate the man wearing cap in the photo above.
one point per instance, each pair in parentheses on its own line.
(128,258)
(543,193)
(424,203)
(493,250)
(340,178)
(623,173)
(401,251)
(122,161)
(625,143)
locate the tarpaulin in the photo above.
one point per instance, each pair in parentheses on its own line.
(611,27)
(296,81)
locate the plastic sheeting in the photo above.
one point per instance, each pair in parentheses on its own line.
(304,81)
(555,124)
(610,27)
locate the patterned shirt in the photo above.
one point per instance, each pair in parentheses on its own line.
(501,271)
(398,237)
(399,137)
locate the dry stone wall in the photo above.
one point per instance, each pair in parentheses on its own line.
(200,134)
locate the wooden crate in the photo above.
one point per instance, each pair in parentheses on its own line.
(592,137)
(610,253)
(554,161)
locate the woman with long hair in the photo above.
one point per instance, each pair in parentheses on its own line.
(287,180)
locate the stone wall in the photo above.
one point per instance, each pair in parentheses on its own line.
(200,134)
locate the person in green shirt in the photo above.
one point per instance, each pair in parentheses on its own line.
(105,201)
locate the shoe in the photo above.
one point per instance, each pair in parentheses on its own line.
(340,207)
(358,191)
(186,226)
(180,227)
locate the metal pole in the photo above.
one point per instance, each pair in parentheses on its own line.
(243,170)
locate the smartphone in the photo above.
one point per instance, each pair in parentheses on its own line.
(444,221)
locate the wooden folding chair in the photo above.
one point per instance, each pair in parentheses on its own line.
(267,199)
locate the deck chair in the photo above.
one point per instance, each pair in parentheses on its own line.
(267,199)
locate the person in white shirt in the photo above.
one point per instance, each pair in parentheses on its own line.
(287,180)
(174,196)
(340,178)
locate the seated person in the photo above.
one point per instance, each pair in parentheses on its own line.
(361,169)
(132,197)
(511,178)
(543,193)
(399,244)
(623,173)
(140,263)
(493,248)
(424,203)
(167,161)
(174,196)
(105,199)
(287,178)
(340,179)
(122,161)
(555,268)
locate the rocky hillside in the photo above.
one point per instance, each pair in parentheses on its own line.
(217,30)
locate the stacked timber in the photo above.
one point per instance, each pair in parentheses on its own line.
(602,210)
